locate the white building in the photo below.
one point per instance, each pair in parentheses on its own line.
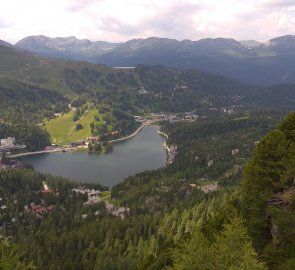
(235,152)
(8,141)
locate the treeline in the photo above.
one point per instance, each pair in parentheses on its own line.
(21,102)
(268,196)
(211,148)
(22,107)
(172,224)
(34,137)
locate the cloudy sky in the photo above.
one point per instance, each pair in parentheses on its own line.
(121,20)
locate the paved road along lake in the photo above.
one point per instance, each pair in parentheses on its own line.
(143,152)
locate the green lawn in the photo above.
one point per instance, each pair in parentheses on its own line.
(105,194)
(63,130)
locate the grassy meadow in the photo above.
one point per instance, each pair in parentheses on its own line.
(63,130)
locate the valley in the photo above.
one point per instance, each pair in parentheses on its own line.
(209,187)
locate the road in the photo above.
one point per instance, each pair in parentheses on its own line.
(81,118)
(40,152)
(129,136)
(74,148)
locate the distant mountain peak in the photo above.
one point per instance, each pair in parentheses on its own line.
(220,41)
(282,42)
(4,43)
(65,47)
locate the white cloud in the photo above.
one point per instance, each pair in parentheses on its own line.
(276,3)
(120,20)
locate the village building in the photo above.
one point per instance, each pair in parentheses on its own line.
(49,191)
(3,207)
(51,147)
(121,212)
(109,206)
(93,139)
(38,209)
(93,196)
(115,133)
(209,188)
(50,208)
(138,118)
(9,144)
(79,143)
(9,141)
(234,152)
(142,91)
(210,163)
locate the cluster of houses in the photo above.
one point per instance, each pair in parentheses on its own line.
(209,188)
(159,94)
(121,212)
(86,142)
(93,139)
(191,116)
(206,188)
(142,91)
(10,164)
(93,195)
(8,144)
(171,153)
(51,147)
(157,117)
(39,209)
(163,117)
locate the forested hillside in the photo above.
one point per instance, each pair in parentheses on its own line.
(155,88)
(217,206)
(23,106)
(35,90)
(247,223)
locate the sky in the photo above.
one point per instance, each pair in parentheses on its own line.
(122,20)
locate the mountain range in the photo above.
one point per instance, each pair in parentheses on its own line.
(255,63)
(66,48)
(165,89)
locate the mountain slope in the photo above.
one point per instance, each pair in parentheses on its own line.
(248,61)
(4,43)
(261,65)
(165,89)
(67,77)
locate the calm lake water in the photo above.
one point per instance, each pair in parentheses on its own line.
(143,152)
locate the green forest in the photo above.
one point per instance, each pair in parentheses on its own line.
(34,91)
(226,202)
(247,223)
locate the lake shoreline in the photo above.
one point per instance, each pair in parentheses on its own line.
(76,149)
(144,151)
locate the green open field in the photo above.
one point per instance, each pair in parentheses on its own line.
(105,194)
(63,130)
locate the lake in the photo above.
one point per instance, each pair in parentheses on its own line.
(143,152)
